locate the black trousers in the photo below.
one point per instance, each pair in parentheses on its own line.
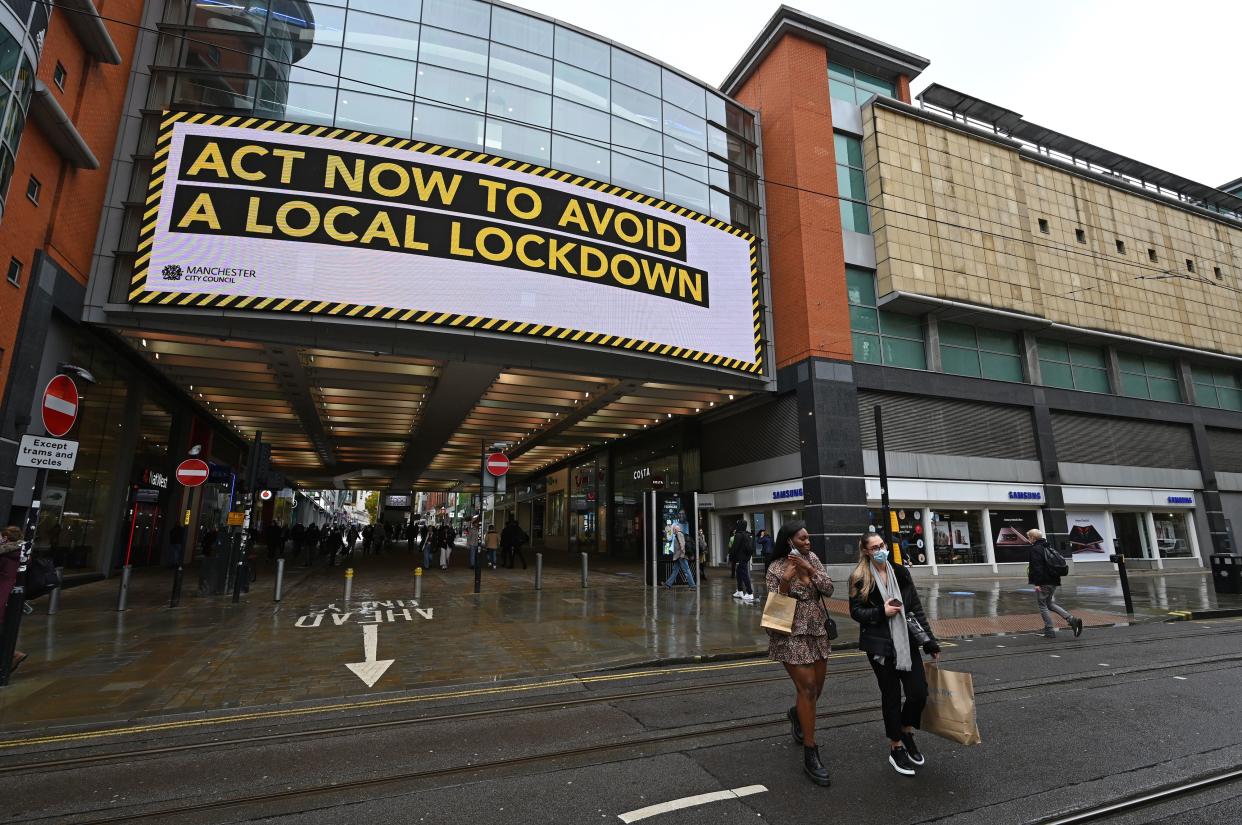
(893,683)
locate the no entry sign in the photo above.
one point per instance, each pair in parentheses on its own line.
(497,464)
(192,472)
(60,405)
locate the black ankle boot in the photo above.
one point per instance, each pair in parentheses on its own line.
(813,767)
(795,727)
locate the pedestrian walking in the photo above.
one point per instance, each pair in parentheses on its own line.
(1045,568)
(763,546)
(11,548)
(474,540)
(702,555)
(892,627)
(443,535)
(797,572)
(680,564)
(491,543)
(741,548)
(511,540)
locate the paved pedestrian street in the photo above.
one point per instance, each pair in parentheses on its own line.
(90,664)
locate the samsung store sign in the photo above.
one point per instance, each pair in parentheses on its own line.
(1181,500)
(278,217)
(792,492)
(1025,495)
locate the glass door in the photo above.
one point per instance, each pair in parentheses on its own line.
(1130,530)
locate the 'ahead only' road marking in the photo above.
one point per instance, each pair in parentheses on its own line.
(690,802)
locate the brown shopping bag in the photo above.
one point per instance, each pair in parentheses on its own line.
(778,612)
(950,711)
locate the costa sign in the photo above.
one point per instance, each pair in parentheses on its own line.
(367,226)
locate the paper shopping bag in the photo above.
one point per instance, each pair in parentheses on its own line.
(778,612)
(950,711)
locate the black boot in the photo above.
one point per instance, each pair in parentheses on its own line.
(795,727)
(813,767)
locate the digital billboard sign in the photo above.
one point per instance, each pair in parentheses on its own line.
(269,216)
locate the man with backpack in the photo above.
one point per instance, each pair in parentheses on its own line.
(1045,570)
(741,549)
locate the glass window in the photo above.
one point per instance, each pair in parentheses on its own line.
(466,16)
(326,23)
(851,184)
(319,66)
(685,127)
(373,113)
(10,55)
(686,192)
(716,107)
(519,142)
(357,68)
(635,71)
(578,120)
(448,126)
(684,93)
(855,86)
(881,337)
(980,353)
(1147,377)
(380,35)
(1217,388)
(1172,540)
(1072,366)
(580,86)
(637,174)
(636,106)
(577,156)
(957,536)
(522,68)
(517,103)
(452,50)
(448,86)
(407,9)
(521,30)
(299,102)
(648,143)
(580,50)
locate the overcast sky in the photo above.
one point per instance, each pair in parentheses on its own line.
(1156,81)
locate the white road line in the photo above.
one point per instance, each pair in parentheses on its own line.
(1180,678)
(690,802)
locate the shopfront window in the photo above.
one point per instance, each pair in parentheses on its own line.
(1009,529)
(958,536)
(1172,536)
(584,507)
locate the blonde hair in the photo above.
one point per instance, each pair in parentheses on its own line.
(1034,534)
(862,576)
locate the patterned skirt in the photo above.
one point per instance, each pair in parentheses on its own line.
(797,650)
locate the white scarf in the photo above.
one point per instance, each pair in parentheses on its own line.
(897,622)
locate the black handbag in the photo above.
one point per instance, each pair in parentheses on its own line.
(831,624)
(41,578)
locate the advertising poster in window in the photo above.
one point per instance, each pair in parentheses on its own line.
(263,215)
(1088,534)
(960,533)
(1009,528)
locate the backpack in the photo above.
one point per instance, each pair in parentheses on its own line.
(41,577)
(1056,562)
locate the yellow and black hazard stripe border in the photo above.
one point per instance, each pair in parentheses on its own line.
(139,294)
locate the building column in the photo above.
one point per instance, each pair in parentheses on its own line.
(1212,508)
(832,467)
(1056,527)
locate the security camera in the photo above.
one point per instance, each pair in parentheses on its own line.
(77,372)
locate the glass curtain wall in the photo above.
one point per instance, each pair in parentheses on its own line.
(17,79)
(471,75)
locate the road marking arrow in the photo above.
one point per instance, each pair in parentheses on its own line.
(371,670)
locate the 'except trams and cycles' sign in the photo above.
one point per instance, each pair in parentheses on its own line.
(45,453)
(249,214)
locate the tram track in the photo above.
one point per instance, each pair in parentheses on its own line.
(68,762)
(1148,798)
(640,746)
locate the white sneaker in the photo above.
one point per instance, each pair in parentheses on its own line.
(748,598)
(738,594)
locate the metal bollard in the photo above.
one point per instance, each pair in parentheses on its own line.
(53,598)
(584,569)
(177,580)
(280,579)
(418,585)
(478,570)
(1120,561)
(539,571)
(349,582)
(123,596)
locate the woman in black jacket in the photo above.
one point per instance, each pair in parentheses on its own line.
(882,600)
